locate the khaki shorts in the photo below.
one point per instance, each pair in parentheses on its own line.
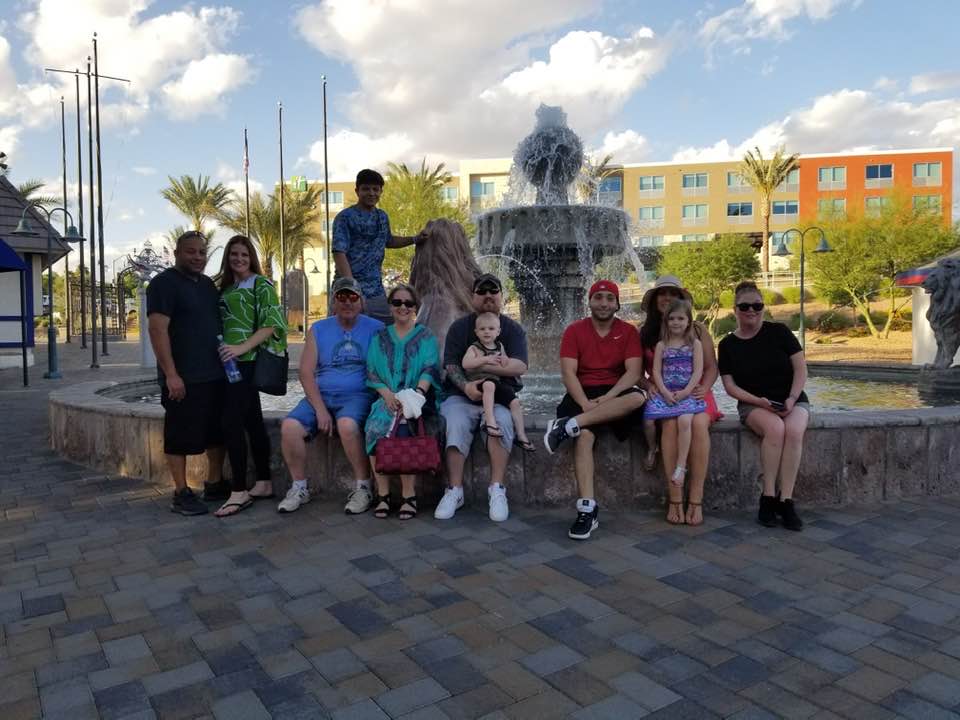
(744,409)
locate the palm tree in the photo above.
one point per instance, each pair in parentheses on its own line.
(300,223)
(30,190)
(591,175)
(170,238)
(197,200)
(764,175)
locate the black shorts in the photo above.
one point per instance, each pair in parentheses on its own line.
(503,394)
(193,424)
(620,427)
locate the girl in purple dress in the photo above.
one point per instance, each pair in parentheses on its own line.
(677,367)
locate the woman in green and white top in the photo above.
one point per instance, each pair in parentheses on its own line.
(252,322)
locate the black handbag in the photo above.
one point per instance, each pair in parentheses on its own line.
(269,371)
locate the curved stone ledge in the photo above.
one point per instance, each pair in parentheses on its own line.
(848,456)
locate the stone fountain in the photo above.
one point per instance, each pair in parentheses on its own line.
(553,245)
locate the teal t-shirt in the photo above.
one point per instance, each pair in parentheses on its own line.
(239,305)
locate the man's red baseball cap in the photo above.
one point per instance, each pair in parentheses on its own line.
(604,286)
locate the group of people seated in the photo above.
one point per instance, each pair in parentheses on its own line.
(361,366)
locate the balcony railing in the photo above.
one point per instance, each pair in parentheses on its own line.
(740,219)
(612,198)
(693,191)
(650,223)
(874,183)
(788,187)
(739,189)
(692,221)
(926,182)
(783,219)
(832,185)
(655,193)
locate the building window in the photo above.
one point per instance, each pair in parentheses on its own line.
(875,205)
(610,185)
(450,194)
(832,178)
(651,213)
(651,182)
(694,183)
(831,207)
(785,207)
(695,214)
(791,183)
(480,189)
(741,209)
(696,237)
(926,174)
(336,197)
(878,176)
(934,203)
(650,240)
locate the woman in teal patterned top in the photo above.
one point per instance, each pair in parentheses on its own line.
(401,356)
(252,322)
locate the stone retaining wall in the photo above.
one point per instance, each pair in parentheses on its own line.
(849,456)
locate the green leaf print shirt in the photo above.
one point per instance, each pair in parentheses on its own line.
(237,307)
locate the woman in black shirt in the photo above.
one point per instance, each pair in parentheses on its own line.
(762,367)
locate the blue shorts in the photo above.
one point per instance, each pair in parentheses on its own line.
(355,406)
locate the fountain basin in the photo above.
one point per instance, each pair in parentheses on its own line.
(851,456)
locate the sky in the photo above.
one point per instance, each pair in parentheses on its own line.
(450,79)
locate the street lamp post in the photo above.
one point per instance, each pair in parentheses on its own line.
(71,235)
(783,251)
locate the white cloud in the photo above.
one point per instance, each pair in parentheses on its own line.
(759,19)
(231,177)
(144,170)
(471,89)
(204,83)
(934,82)
(9,140)
(626,147)
(885,83)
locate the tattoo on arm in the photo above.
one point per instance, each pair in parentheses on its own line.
(456,376)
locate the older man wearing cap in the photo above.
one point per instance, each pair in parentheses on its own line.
(461,409)
(333,373)
(601,365)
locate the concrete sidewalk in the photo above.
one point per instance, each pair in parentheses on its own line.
(113,607)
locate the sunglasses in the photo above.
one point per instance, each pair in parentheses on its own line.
(487,290)
(347,296)
(745,307)
(403,303)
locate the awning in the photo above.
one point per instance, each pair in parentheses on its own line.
(9,260)
(915,276)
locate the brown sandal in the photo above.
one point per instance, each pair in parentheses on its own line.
(695,505)
(682,520)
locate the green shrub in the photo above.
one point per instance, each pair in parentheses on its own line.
(792,294)
(793,322)
(726,299)
(724,325)
(901,324)
(771,297)
(833,322)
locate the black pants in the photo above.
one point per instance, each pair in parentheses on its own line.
(242,416)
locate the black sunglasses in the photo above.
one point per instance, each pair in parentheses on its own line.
(346,295)
(404,303)
(487,290)
(744,307)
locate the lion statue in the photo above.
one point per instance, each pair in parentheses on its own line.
(943,286)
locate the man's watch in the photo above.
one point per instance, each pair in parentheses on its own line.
(421,391)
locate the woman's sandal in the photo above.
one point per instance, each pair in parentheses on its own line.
(383,507)
(491,430)
(405,513)
(682,520)
(650,462)
(525,445)
(694,505)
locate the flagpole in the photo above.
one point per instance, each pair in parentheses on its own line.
(94,363)
(66,257)
(246,181)
(83,280)
(326,191)
(103,259)
(283,248)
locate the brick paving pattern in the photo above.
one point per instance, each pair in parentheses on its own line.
(113,607)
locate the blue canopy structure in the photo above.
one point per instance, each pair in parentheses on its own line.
(11,262)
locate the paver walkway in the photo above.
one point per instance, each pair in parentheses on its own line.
(113,607)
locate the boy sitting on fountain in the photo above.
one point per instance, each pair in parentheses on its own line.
(488,352)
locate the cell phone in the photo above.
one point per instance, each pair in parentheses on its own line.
(777,405)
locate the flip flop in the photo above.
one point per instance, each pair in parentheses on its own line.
(240,507)
(491,431)
(527,446)
(271,496)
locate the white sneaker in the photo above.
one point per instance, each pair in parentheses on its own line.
(451,502)
(499,509)
(358,502)
(293,500)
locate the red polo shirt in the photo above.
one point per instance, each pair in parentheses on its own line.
(600,360)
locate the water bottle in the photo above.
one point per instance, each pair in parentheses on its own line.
(230,366)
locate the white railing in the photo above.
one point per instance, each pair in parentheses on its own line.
(739,189)
(788,187)
(691,221)
(693,191)
(878,183)
(782,219)
(926,182)
(832,185)
(649,224)
(655,193)
(740,219)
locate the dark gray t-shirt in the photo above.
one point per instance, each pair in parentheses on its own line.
(191,303)
(461,335)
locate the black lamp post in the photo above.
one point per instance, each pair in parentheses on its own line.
(25,229)
(783,251)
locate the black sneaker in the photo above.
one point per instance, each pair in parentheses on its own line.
(186,503)
(767,515)
(585,523)
(216,491)
(788,515)
(556,433)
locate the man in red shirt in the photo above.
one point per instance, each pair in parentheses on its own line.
(601,364)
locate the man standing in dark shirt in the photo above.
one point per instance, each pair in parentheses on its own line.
(184,322)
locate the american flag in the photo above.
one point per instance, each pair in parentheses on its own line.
(246,154)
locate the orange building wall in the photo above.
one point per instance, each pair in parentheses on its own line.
(856,191)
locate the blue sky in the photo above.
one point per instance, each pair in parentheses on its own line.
(448,79)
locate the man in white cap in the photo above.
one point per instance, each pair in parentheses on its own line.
(601,365)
